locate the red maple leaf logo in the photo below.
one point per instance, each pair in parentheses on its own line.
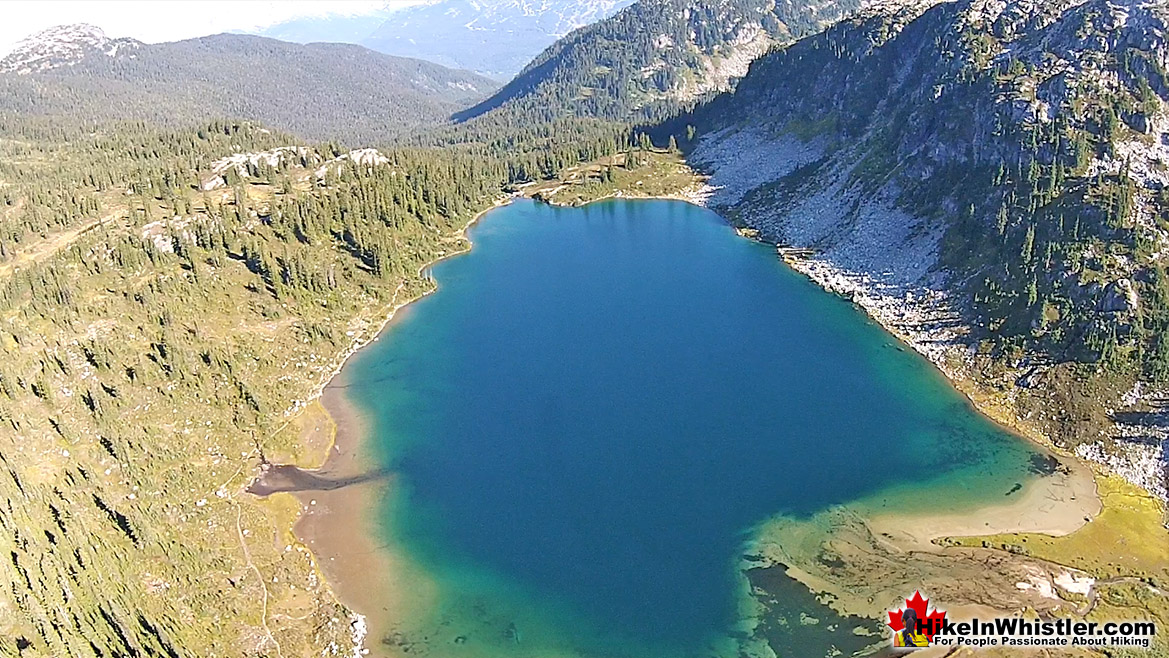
(931,622)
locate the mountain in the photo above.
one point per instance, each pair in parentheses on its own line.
(655,56)
(64,45)
(989,179)
(494,37)
(318,91)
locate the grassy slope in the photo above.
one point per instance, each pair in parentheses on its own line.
(1126,548)
(129,429)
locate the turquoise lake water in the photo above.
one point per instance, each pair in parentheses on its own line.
(590,416)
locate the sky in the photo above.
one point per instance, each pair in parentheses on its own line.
(171,20)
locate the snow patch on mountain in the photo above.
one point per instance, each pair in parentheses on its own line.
(63,45)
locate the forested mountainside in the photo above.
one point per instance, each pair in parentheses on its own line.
(166,299)
(999,165)
(317,91)
(493,37)
(656,56)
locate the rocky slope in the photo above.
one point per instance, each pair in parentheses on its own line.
(318,91)
(987,178)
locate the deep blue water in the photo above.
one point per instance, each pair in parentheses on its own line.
(599,404)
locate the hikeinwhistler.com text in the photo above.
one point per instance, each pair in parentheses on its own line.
(1020,632)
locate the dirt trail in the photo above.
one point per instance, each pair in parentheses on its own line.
(42,249)
(260,577)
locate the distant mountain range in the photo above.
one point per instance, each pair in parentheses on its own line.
(318,91)
(330,28)
(493,37)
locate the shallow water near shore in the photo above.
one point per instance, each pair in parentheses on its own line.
(587,421)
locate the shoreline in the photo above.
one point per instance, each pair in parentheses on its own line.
(335,525)
(333,522)
(1057,504)
(396,305)
(339,528)
(861,561)
(695,195)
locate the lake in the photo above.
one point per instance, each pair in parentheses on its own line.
(588,420)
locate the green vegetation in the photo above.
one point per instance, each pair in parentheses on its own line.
(157,327)
(640,172)
(142,359)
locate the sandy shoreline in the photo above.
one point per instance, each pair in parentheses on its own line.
(1056,504)
(340,528)
(336,524)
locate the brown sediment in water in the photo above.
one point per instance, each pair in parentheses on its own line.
(289,478)
(339,525)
